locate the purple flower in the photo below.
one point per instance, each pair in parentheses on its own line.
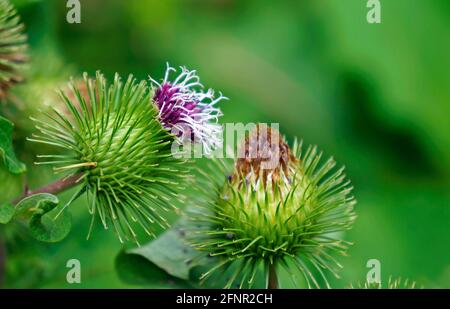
(187,111)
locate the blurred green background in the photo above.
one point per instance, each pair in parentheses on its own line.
(376,97)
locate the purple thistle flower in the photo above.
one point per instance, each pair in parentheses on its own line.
(187,111)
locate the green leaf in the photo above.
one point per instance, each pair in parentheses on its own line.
(47,222)
(6,149)
(6,213)
(169,252)
(169,260)
(136,270)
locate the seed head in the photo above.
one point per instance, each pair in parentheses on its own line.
(290,214)
(113,137)
(13,47)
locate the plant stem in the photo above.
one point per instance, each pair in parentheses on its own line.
(273,279)
(54,188)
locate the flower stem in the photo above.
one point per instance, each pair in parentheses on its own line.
(56,187)
(273,279)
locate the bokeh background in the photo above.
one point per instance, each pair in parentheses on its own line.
(376,97)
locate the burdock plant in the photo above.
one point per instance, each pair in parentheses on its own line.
(12,48)
(118,150)
(289,215)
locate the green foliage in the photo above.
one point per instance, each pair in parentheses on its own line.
(6,148)
(46,221)
(11,184)
(169,258)
(6,213)
(137,271)
(170,252)
(115,142)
